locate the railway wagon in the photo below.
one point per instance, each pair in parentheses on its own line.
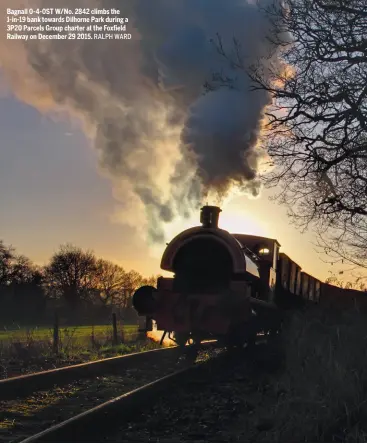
(288,289)
(337,298)
(223,285)
(295,288)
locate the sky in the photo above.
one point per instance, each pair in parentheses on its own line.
(52,192)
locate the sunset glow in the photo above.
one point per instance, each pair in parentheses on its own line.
(50,169)
(236,221)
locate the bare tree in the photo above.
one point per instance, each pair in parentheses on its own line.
(132,281)
(317,125)
(21,292)
(23,270)
(7,257)
(357,284)
(14,268)
(151,280)
(71,273)
(109,281)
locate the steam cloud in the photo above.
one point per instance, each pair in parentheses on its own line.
(163,140)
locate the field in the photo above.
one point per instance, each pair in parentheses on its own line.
(29,349)
(311,387)
(80,333)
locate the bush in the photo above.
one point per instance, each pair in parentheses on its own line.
(323,387)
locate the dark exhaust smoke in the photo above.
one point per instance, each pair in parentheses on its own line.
(164,140)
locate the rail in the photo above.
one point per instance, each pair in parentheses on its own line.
(21,386)
(94,423)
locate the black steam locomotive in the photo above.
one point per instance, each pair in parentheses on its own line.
(224,285)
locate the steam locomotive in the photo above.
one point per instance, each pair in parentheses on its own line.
(229,287)
(222,288)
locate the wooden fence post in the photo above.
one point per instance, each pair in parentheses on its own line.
(143,325)
(92,337)
(122,332)
(56,338)
(114,327)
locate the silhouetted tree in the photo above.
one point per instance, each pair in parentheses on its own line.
(151,280)
(317,126)
(7,256)
(71,274)
(28,300)
(21,292)
(23,270)
(131,281)
(109,281)
(14,268)
(356,284)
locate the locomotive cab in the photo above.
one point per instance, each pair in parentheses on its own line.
(267,253)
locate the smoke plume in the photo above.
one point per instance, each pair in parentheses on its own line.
(164,140)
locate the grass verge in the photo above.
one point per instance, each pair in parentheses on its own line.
(31,350)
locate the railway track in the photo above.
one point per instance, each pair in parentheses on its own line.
(71,391)
(95,423)
(187,405)
(21,386)
(226,402)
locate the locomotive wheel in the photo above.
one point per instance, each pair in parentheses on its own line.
(251,339)
(181,338)
(276,328)
(251,332)
(236,337)
(185,338)
(188,353)
(195,339)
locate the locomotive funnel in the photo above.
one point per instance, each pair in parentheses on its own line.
(209,216)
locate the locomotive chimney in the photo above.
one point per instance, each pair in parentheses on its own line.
(209,216)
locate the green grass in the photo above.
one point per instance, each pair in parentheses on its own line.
(78,332)
(32,349)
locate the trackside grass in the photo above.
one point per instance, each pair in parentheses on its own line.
(43,333)
(26,350)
